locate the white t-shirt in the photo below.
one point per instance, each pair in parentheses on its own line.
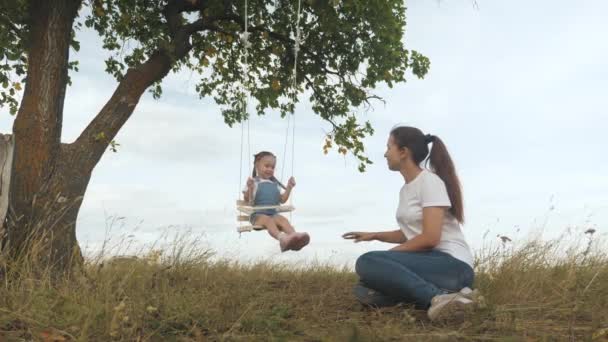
(428,190)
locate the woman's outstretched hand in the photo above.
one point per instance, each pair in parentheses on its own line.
(359,236)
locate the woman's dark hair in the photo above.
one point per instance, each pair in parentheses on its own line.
(438,158)
(257,157)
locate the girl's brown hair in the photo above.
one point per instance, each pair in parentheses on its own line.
(439,159)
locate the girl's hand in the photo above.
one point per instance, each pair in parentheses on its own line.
(250,182)
(291,183)
(359,236)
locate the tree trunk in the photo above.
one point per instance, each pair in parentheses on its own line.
(48,239)
(40,212)
(49,179)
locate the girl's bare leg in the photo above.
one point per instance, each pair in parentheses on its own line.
(283,224)
(269,223)
(294,241)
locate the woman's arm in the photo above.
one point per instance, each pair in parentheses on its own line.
(395,236)
(432,221)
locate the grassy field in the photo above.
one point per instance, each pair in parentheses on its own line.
(534,291)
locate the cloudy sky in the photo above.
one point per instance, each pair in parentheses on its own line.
(516,89)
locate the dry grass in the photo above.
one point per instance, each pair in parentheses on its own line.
(535,291)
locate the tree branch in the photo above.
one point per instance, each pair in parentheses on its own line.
(177,6)
(172,13)
(320,98)
(205,24)
(208,24)
(96,137)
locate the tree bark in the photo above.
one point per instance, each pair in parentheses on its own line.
(38,154)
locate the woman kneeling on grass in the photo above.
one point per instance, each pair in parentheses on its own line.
(432,265)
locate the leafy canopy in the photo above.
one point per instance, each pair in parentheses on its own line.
(348,47)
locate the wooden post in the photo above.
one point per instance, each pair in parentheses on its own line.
(7,144)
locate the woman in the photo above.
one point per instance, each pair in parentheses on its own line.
(432,265)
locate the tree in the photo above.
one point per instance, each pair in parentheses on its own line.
(347,48)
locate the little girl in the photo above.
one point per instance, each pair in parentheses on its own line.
(263,190)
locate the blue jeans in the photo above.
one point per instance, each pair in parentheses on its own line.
(410,277)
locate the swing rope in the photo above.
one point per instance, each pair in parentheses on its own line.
(285,149)
(294,86)
(244,101)
(245,97)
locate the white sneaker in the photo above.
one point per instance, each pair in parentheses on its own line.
(450,307)
(474,295)
(468,293)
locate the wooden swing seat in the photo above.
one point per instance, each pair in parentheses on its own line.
(248,210)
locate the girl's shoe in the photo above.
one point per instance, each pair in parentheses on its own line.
(293,241)
(285,241)
(299,241)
